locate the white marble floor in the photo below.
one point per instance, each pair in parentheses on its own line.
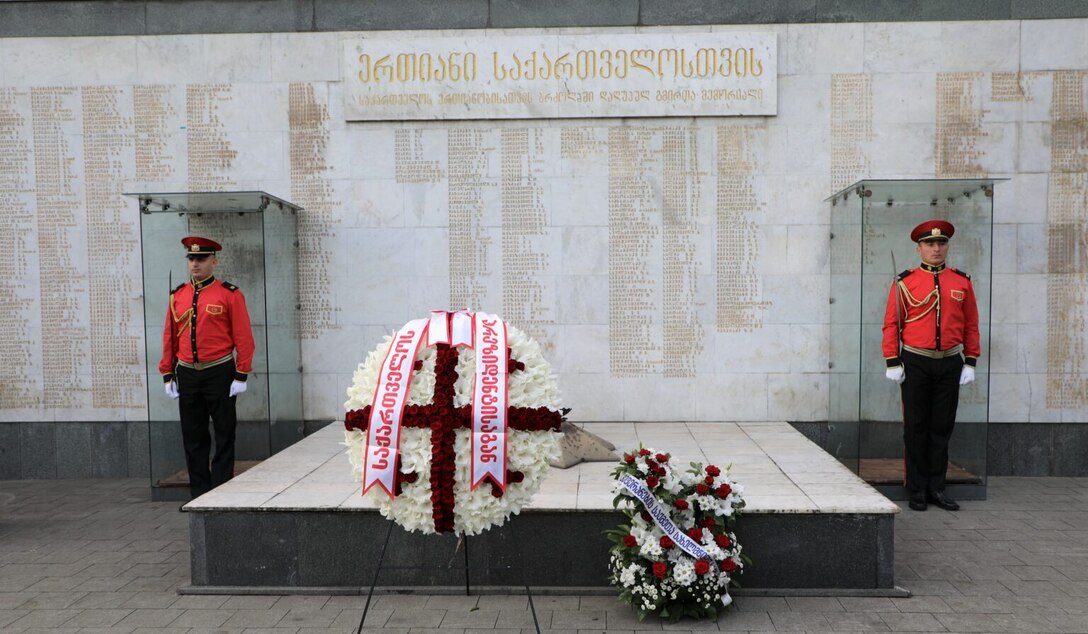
(780,469)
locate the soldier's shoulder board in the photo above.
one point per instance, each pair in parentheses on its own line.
(904,274)
(963,273)
(178,287)
(229,286)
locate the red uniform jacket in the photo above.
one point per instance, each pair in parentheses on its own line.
(206,321)
(936,311)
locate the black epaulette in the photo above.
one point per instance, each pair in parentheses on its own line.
(178,287)
(904,274)
(229,286)
(961,273)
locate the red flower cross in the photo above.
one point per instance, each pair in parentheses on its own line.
(443,419)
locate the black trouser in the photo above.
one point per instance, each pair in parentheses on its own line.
(204,394)
(931,393)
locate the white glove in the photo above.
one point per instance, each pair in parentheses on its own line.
(897,374)
(967,375)
(172,390)
(237,387)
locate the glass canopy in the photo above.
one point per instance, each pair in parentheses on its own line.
(870,244)
(259,234)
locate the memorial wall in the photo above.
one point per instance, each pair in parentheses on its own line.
(668,246)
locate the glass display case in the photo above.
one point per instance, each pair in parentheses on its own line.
(259,234)
(871,223)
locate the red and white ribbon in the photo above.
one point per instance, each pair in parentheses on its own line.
(390,396)
(461,329)
(438,330)
(489,401)
(454,328)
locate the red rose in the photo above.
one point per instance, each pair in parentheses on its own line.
(644,452)
(714,471)
(660,569)
(722,540)
(628,458)
(661,471)
(652,481)
(708,522)
(728,565)
(662,457)
(724,490)
(645,516)
(651,464)
(696,534)
(702,489)
(681,504)
(630,541)
(666,542)
(709,479)
(702,567)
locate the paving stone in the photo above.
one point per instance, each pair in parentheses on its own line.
(1032,588)
(578,619)
(97,618)
(814,604)
(1037,573)
(761,604)
(523,619)
(1019,623)
(149,600)
(625,618)
(202,618)
(149,617)
(931,587)
(917,622)
(246,602)
(1067,622)
(404,617)
(469,618)
(800,621)
(1074,588)
(42,619)
(968,622)
(301,602)
(308,618)
(559,602)
(52,600)
(7,616)
(200,602)
(857,622)
(254,618)
(737,621)
(983,588)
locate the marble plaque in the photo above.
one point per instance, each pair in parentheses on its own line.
(561,76)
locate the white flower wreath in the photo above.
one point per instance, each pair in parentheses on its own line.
(528,452)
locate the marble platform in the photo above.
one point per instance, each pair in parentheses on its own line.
(298,521)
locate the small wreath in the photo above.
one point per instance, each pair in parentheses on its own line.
(677,555)
(433,492)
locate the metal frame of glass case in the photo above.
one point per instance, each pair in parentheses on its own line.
(259,234)
(871,223)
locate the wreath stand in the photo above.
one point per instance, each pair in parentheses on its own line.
(462,541)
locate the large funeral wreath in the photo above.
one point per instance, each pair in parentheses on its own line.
(433,492)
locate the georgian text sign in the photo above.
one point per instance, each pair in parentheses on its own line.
(561,76)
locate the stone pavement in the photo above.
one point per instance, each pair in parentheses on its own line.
(97,556)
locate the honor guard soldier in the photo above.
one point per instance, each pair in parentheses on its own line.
(207,354)
(931,345)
